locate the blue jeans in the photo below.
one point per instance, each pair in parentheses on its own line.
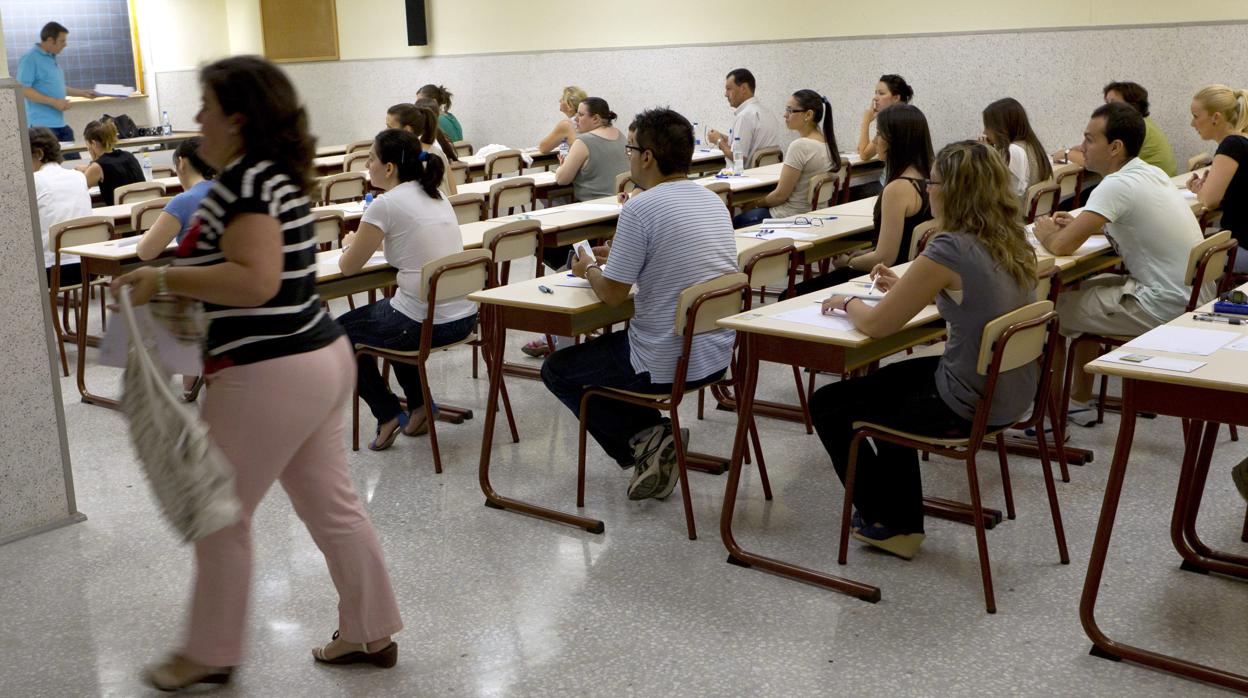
(753,216)
(65,134)
(604,362)
(379,325)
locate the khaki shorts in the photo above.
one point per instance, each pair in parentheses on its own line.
(1102,306)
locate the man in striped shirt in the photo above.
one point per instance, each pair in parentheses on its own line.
(674,235)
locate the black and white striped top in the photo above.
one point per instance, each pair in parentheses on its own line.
(293,321)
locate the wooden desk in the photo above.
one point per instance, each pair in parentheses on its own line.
(175,137)
(1214,394)
(762,337)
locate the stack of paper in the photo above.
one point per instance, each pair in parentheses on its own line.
(1183,340)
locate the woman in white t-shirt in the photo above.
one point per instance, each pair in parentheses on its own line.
(417,225)
(813,152)
(1007,129)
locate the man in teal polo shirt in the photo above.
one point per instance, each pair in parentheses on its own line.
(44,83)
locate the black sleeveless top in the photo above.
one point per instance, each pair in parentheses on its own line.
(120,168)
(907,229)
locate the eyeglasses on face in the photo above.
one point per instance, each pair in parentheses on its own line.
(630,148)
(790,110)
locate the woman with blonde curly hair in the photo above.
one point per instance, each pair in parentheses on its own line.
(977,267)
(1220,114)
(565,129)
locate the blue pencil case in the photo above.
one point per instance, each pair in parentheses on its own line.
(1230,308)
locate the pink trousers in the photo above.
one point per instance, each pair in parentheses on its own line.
(282,420)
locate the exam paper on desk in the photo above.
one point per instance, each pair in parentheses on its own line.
(1183,340)
(813,315)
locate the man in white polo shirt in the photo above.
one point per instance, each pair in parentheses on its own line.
(1151,227)
(673,235)
(755,126)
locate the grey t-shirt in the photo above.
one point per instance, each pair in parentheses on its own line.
(987,293)
(607,159)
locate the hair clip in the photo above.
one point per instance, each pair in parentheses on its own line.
(424,156)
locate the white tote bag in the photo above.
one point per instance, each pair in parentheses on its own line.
(188,473)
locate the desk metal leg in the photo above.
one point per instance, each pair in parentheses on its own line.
(494,355)
(738,555)
(1197,556)
(84,305)
(1103,646)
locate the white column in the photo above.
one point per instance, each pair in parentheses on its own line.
(36,485)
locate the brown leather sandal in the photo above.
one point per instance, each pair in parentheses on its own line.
(386,657)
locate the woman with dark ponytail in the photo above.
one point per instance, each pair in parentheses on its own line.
(418,225)
(422,120)
(446,120)
(813,152)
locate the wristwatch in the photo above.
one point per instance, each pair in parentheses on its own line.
(845,303)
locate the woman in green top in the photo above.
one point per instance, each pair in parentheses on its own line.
(447,122)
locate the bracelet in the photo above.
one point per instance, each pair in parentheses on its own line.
(845,303)
(592,266)
(162,285)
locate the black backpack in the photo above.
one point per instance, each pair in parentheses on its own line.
(126,128)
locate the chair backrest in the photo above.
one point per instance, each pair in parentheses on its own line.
(510,194)
(768,264)
(724,191)
(162,171)
(454,276)
(825,189)
(919,236)
(1196,162)
(79,231)
(345,186)
(329,227)
(1046,269)
(767,156)
(624,183)
(459,172)
(709,302)
(1208,263)
(462,148)
(503,162)
(512,241)
(144,215)
(357,146)
(137,192)
(1041,199)
(355,162)
(1023,344)
(469,207)
(1069,179)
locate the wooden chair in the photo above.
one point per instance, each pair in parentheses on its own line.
(459,172)
(624,183)
(502,163)
(828,188)
(345,186)
(724,191)
(1018,338)
(770,155)
(163,171)
(138,192)
(919,237)
(329,227)
(144,215)
(358,146)
(1069,180)
(699,307)
(469,208)
(75,231)
(355,162)
(509,195)
(1041,200)
(462,148)
(1196,162)
(446,278)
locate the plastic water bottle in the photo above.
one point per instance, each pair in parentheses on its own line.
(166,127)
(697,137)
(368,199)
(738,156)
(147,167)
(563,150)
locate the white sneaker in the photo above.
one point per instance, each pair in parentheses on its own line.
(646,445)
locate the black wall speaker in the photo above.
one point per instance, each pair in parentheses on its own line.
(417,27)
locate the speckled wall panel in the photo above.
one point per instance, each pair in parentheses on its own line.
(36,491)
(1057,75)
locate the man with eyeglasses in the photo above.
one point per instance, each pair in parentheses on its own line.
(673,235)
(755,126)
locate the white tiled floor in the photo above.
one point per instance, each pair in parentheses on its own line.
(498,604)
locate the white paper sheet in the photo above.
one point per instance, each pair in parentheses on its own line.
(573,282)
(1188,194)
(1164,363)
(742,181)
(596,208)
(871,300)
(1094,242)
(177,358)
(131,241)
(1183,340)
(1241,345)
(775,234)
(111,90)
(812,315)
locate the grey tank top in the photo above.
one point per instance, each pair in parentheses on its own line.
(597,176)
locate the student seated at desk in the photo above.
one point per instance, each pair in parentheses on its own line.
(890,90)
(754,126)
(812,153)
(1156,149)
(440,144)
(61,194)
(1220,114)
(1152,228)
(111,167)
(195,176)
(673,235)
(565,128)
(902,139)
(979,267)
(422,121)
(1007,129)
(417,225)
(446,120)
(598,154)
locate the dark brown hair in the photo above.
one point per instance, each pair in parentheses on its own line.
(103,132)
(275,125)
(412,164)
(438,93)
(422,119)
(1006,122)
(1133,93)
(597,106)
(44,141)
(812,101)
(189,150)
(904,128)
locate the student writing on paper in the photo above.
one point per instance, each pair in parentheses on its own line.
(417,225)
(902,139)
(565,128)
(812,153)
(1152,229)
(674,235)
(196,177)
(1220,114)
(1007,129)
(111,167)
(978,268)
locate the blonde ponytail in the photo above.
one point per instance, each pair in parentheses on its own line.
(1231,104)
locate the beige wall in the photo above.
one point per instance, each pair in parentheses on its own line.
(4,59)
